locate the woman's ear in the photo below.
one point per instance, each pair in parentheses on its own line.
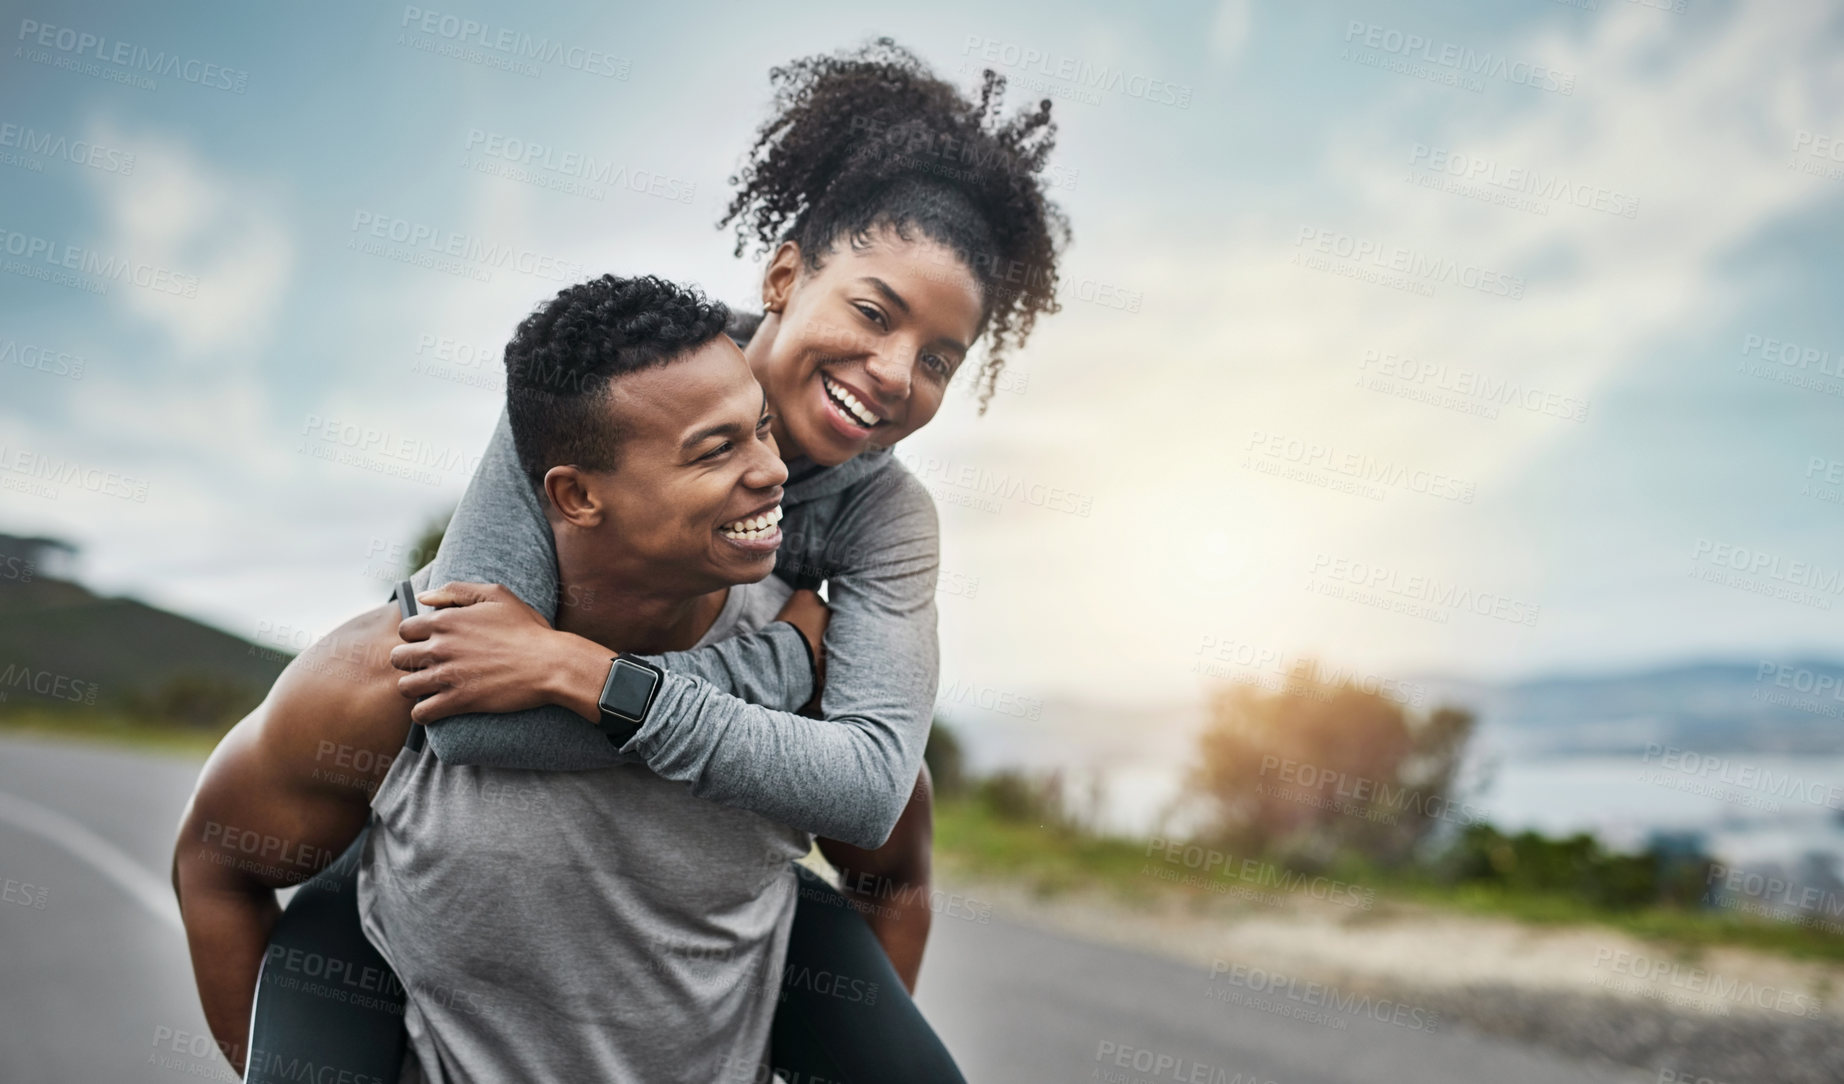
(779,277)
(570,497)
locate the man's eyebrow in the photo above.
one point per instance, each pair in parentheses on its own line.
(890,295)
(727,429)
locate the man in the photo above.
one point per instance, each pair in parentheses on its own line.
(574,925)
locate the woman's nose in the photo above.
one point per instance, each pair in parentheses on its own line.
(890,374)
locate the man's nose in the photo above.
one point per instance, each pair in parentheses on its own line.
(766,470)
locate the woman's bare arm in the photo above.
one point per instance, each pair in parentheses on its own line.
(892,883)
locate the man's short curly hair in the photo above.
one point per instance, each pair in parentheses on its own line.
(872,137)
(561,359)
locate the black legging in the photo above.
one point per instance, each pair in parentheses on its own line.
(844,1014)
(306,1013)
(843,1017)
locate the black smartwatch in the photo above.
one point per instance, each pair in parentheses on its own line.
(626,696)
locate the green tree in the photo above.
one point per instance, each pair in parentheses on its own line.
(430,540)
(199,701)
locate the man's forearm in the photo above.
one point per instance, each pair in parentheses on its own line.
(227,931)
(579,669)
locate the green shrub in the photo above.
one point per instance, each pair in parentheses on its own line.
(1018,796)
(946,760)
(1576,866)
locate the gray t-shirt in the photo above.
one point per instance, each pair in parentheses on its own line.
(587,925)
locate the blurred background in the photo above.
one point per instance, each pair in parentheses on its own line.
(1409,561)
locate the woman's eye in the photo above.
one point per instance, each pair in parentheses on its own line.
(871,313)
(938,364)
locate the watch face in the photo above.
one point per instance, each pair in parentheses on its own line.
(627,690)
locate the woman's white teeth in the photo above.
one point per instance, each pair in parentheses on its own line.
(849,401)
(754,526)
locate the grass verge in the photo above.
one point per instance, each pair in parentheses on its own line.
(970,840)
(110,729)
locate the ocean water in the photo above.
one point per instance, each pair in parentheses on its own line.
(1745,808)
(1748,808)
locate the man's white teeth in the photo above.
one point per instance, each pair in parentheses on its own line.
(754,526)
(849,401)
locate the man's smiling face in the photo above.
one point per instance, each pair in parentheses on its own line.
(696,489)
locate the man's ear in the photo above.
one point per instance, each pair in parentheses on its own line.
(571,497)
(779,277)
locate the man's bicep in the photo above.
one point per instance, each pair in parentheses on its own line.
(290,786)
(255,819)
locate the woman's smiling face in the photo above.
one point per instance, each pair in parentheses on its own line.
(858,353)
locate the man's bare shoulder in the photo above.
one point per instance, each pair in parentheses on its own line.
(302,766)
(335,713)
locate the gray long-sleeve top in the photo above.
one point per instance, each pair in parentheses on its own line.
(869,529)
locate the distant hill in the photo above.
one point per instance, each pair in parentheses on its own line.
(1779,706)
(63,647)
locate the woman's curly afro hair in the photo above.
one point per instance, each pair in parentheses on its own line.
(872,137)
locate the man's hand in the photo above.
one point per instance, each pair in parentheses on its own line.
(809,614)
(484,650)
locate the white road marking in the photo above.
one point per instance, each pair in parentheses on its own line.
(154,895)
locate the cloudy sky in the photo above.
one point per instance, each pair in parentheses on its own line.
(1486,338)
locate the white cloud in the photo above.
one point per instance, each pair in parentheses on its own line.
(1229,31)
(180,213)
(1234,339)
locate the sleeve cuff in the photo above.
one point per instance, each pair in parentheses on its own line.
(666,705)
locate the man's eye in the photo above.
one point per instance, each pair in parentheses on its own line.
(871,313)
(766,419)
(715,452)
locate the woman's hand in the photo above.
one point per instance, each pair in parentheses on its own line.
(810,615)
(481,649)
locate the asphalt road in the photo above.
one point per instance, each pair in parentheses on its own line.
(95,985)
